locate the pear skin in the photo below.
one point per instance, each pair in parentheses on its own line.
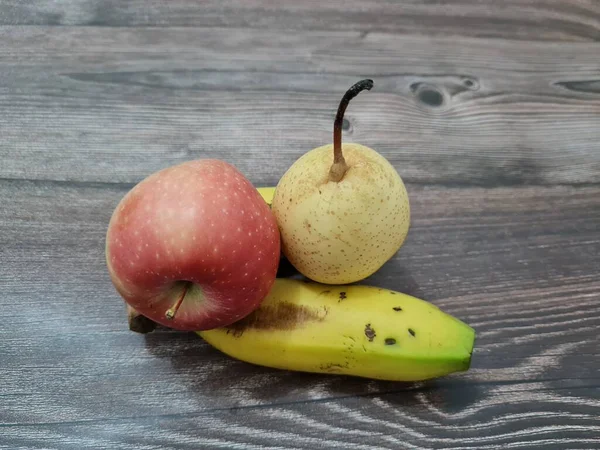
(342,210)
(339,232)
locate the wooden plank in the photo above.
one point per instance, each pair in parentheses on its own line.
(113,105)
(506,260)
(523,416)
(513,19)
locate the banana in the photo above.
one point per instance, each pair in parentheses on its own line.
(355,330)
(267,193)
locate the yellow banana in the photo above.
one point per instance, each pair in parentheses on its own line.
(267,193)
(354,330)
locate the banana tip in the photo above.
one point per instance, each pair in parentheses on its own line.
(470,348)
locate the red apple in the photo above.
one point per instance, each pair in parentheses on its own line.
(193,246)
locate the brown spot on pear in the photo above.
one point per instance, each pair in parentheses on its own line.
(348,201)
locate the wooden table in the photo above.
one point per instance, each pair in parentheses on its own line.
(489,110)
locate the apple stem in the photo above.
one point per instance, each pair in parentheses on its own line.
(170,314)
(339,166)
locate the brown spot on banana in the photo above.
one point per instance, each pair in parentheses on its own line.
(282,316)
(334,367)
(370,332)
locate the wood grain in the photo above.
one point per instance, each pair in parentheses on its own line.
(115,104)
(510,19)
(489,110)
(506,260)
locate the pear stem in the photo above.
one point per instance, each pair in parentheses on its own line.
(339,166)
(170,314)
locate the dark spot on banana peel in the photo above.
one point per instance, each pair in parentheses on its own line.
(397,308)
(411,331)
(281,316)
(390,341)
(342,296)
(334,367)
(370,332)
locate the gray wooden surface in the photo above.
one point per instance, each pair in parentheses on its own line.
(489,110)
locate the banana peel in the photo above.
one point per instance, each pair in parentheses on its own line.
(354,330)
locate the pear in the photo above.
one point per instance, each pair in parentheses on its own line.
(342,211)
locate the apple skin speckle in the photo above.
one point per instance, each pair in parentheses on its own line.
(174,231)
